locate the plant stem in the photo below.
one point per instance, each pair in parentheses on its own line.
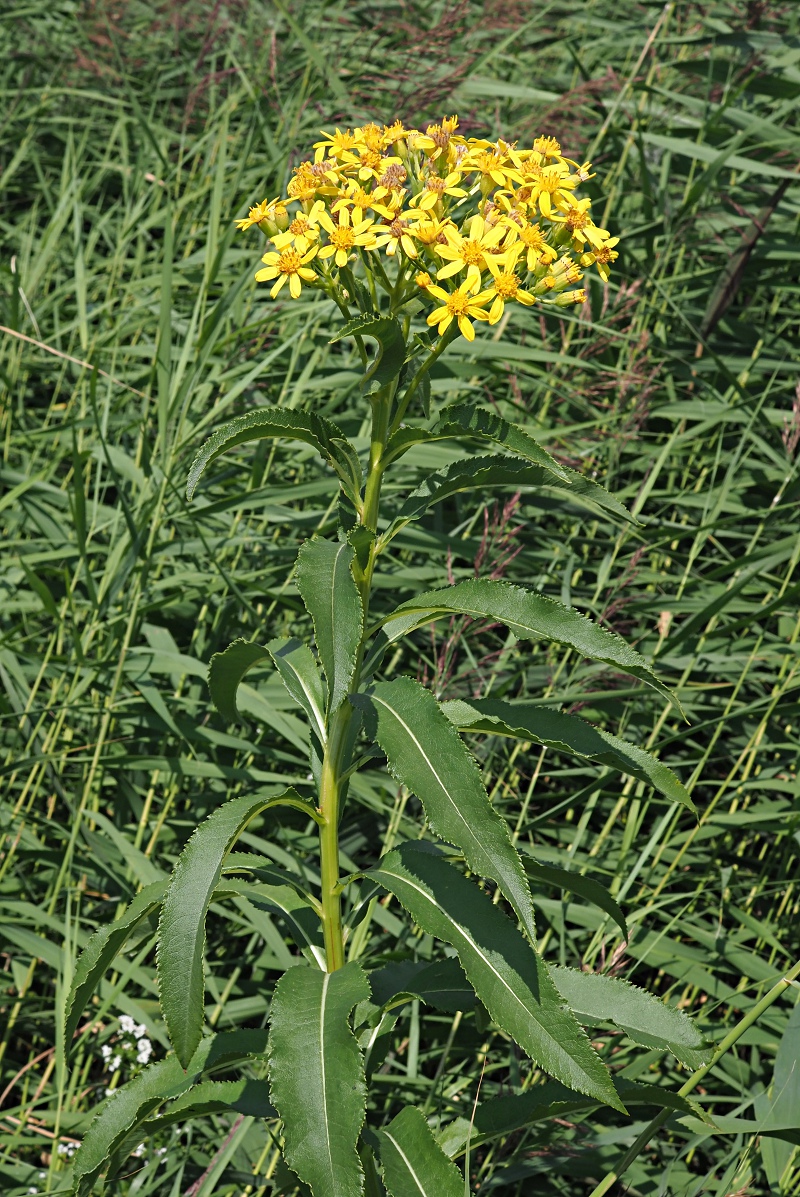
(695,1079)
(335,762)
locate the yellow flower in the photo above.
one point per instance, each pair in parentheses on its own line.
(289,265)
(602,257)
(495,167)
(431,232)
(371,136)
(505,286)
(532,238)
(457,305)
(266,210)
(394,236)
(336,143)
(394,133)
(423,280)
(370,163)
(434,188)
(581,226)
(548,147)
(301,233)
(548,186)
(362,200)
(471,253)
(345,236)
(436,138)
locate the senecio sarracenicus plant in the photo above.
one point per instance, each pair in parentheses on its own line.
(415,237)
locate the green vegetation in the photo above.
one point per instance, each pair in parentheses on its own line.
(131,138)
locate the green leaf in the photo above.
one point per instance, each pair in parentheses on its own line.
(466,420)
(101,949)
(481,473)
(182,927)
(225,672)
(530,616)
(267,422)
(328,590)
(301,676)
(249,1097)
(507,974)
(317,1076)
(129,1106)
(576,883)
(391,354)
(441,984)
(643,1017)
(297,911)
(414,1164)
(425,752)
(565,733)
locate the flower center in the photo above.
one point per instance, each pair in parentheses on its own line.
(506,285)
(398,227)
(457,304)
(289,262)
(394,176)
(532,237)
(577,219)
(472,253)
(435,184)
(605,254)
(371,159)
(343,237)
(299,226)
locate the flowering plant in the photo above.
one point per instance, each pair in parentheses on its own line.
(390,223)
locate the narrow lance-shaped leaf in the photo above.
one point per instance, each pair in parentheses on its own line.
(426,753)
(301,676)
(565,733)
(317,1076)
(466,420)
(643,1017)
(414,1164)
(530,616)
(329,592)
(482,473)
(225,672)
(101,949)
(270,422)
(507,974)
(576,883)
(182,927)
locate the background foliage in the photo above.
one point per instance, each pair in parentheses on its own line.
(131,135)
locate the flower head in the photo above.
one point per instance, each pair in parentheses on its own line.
(289,265)
(458,305)
(344,236)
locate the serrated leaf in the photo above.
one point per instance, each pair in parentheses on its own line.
(182,927)
(328,590)
(530,616)
(577,883)
(225,672)
(507,974)
(129,1106)
(317,1076)
(391,354)
(485,424)
(270,422)
(482,473)
(249,1097)
(644,1018)
(414,1164)
(301,676)
(101,949)
(297,911)
(426,754)
(566,733)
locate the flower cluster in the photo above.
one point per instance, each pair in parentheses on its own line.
(471,225)
(131,1046)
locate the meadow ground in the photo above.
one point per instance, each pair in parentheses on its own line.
(131,135)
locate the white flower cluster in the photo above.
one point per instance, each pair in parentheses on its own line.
(132,1044)
(67,1149)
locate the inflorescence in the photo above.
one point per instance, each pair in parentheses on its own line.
(471,224)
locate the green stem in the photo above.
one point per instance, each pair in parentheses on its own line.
(695,1079)
(335,763)
(411,390)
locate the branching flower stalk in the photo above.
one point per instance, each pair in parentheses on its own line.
(403,231)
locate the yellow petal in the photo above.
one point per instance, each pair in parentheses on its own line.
(264,276)
(466,328)
(439,292)
(278,286)
(295,286)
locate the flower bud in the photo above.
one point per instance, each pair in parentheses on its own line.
(567,298)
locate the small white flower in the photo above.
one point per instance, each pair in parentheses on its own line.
(139,1152)
(145,1051)
(105,1051)
(161,1151)
(66,1149)
(139,1030)
(109,1092)
(33,1189)
(126,1024)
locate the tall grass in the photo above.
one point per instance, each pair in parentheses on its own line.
(132,135)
